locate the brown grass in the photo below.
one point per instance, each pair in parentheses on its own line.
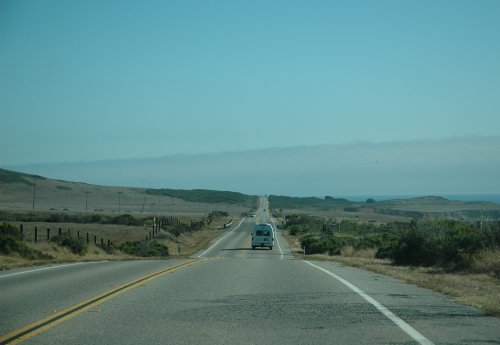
(76,197)
(189,243)
(475,289)
(112,232)
(52,253)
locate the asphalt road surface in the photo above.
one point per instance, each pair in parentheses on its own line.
(229,294)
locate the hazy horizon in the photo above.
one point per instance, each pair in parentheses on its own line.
(412,168)
(327,98)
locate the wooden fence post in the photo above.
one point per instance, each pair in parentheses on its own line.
(87,238)
(21,230)
(36,234)
(48,234)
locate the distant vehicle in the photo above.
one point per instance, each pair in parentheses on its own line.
(263,236)
(251,215)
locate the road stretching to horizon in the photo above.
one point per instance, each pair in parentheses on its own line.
(229,294)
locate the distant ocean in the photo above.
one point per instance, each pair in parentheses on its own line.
(459,197)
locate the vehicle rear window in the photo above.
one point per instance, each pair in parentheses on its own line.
(263,233)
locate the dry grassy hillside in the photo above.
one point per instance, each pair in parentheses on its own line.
(18,190)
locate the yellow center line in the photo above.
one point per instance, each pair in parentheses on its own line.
(247,241)
(49,322)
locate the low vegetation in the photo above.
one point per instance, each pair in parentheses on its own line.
(145,249)
(172,236)
(414,208)
(7,176)
(289,202)
(11,243)
(447,244)
(455,257)
(76,245)
(77,218)
(207,196)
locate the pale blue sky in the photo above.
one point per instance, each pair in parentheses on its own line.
(91,80)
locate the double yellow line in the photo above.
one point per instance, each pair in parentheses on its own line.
(42,325)
(240,254)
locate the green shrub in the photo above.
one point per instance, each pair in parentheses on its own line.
(11,245)
(368,242)
(145,249)
(296,230)
(126,219)
(335,245)
(444,243)
(76,245)
(414,248)
(11,242)
(462,244)
(314,244)
(9,229)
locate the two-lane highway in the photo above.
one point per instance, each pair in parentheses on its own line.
(232,294)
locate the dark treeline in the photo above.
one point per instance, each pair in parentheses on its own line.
(80,218)
(207,196)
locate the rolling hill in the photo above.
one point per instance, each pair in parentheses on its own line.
(25,192)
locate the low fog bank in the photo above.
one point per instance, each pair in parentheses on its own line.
(428,167)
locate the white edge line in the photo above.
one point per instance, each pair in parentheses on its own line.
(220,239)
(412,332)
(47,268)
(277,240)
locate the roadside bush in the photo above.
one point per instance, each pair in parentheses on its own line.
(413,248)
(369,242)
(462,244)
(11,242)
(294,219)
(9,229)
(179,229)
(145,249)
(126,219)
(56,217)
(335,245)
(444,243)
(314,244)
(295,230)
(453,245)
(76,245)
(11,245)
(217,214)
